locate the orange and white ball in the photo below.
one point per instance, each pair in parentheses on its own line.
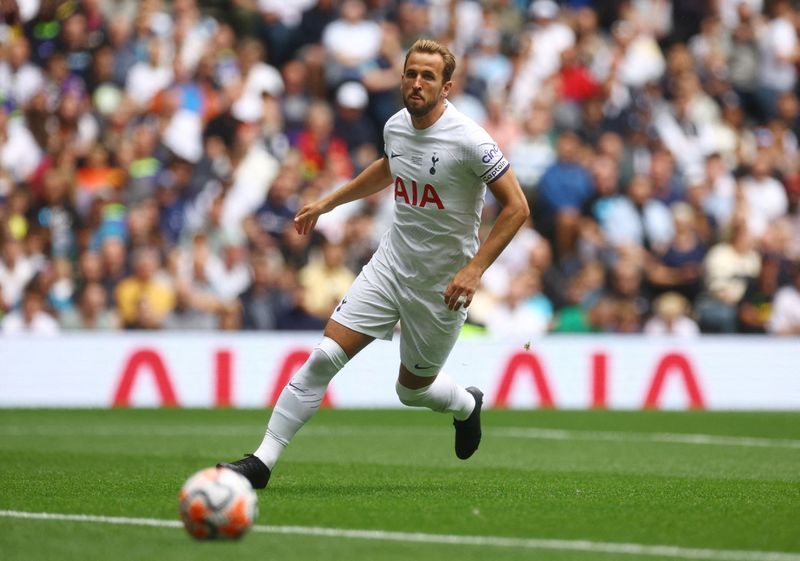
(217,503)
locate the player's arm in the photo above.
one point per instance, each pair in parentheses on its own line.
(374,178)
(515,212)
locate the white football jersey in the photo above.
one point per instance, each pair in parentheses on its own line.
(439,180)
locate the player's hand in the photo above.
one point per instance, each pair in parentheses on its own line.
(306,217)
(462,288)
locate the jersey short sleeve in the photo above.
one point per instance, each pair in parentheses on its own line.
(484,156)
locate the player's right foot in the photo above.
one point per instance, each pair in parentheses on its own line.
(468,431)
(252,468)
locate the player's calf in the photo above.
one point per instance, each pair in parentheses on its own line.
(444,395)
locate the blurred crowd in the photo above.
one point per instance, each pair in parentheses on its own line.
(154,153)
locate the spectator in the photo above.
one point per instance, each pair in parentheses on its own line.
(574,81)
(144,167)
(785,318)
(540,60)
(380,75)
(584,308)
(719,190)
(625,287)
(295,316)
(326,279)
(679,269)
(148,77)
(281,204)
(143,298)
(671,317)
(778,46)
(488,64)
(194,311)
(764,196)
(19,153)
(97,178)
(350,41)
(16,270)
(317,140)
(253,169)
(743,59)
(264,300)
(532,153)
(638,219)
(729,266)
(74,42)
(500,124)
(197,306)
(90,267)
(59,288)
(114,262)
(277,21)
(524,312)
(296,249)
(297,96)
(31,318)
(755,307)
(666,180)
(257,77)
(711,47)
(177,188)
(315,19)
(91,311)
(358,239)
(20,79)
(563,190)
(351,123)
(605,179)
(229,275)
(206,221)
(638,58)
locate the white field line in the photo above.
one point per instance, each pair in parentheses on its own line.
(446,539)
(532,433)
(659,437)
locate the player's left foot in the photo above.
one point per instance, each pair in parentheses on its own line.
(252,468)
(468,431)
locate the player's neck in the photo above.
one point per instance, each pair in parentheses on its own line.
(430,117)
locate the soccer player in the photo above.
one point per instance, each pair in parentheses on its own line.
(427,267)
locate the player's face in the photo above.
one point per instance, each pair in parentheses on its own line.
(423,86)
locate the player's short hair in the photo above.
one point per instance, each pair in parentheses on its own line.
(430,46)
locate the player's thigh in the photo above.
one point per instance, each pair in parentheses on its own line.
(369,308)
(428,332)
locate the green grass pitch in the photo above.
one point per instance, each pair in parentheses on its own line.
(599,477)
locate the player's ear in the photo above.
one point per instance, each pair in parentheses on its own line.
(446,88)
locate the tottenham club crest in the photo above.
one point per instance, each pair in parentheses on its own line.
(434,159)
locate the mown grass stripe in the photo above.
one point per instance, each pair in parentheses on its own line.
(533,433)
(659,437)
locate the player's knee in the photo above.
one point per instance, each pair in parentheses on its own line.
(325,361)
(412,397)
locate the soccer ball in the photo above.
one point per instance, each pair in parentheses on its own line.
(217,503)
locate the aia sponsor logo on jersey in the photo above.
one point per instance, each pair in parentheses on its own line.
(410,194)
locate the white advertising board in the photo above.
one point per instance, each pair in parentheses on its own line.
(249,370)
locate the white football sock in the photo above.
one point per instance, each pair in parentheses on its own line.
(300,399)
(443,395)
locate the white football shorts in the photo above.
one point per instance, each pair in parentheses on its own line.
(428,328)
